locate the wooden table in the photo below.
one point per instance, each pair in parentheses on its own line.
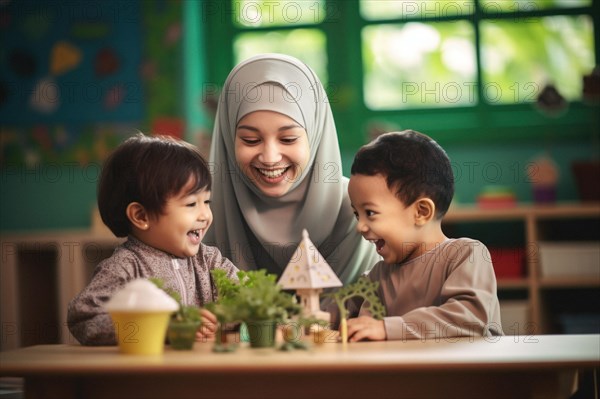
(542,366)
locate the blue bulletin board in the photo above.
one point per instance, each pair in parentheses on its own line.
(70,61)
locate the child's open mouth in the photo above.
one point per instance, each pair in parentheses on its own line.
(378,244)
(195,236)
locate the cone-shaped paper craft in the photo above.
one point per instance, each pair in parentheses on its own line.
(308,269)
(308,273)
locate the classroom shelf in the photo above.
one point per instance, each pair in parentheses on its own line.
(526,226)
(40,273)
(513,283)
(569,282)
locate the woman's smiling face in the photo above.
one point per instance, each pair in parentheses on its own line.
(272,150)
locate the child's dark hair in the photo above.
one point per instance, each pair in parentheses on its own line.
(413,164)
(147,170)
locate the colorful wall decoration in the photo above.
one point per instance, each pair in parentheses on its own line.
(77,77)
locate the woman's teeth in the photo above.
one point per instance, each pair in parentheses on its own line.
(272,173)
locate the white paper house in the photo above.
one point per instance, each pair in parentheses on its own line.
(308,273)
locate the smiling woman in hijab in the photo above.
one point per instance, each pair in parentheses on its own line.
(278,170)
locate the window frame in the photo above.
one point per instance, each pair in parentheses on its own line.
(480,123)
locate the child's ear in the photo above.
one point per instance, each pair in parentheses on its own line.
(425,211)
(137,215)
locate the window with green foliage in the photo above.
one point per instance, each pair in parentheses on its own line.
(519,58)
(305,44)
(418,65)
(288,27)
(460,70)
(435,58)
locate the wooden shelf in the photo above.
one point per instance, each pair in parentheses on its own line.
(569,282)
(41,272)
(522,211)
(530,225)
(513,283)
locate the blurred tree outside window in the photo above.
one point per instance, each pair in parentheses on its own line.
(255,14)
(519,59)
(493,6)
(375,10)
(307,45)
(434,58)
(417,65)
(281,27)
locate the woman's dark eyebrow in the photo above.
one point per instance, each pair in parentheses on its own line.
(282,128)
(288,127)
(247,128)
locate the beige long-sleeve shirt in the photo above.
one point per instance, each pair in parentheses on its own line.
(449,291)
(90,324)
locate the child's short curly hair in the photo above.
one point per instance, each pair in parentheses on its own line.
(413,164)
(147,170)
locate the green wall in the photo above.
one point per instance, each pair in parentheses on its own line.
(477,166)
(47,198)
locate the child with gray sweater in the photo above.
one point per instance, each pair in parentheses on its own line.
(156,192)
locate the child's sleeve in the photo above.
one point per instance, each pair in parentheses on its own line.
(215,260)
(87,320)
(468,303)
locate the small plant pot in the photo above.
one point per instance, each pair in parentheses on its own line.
(182,334)
(261,333)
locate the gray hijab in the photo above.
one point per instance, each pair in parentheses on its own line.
(257,231)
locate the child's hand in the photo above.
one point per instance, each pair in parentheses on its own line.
(365,327)
(208,327)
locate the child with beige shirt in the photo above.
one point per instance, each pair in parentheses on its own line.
(432,286)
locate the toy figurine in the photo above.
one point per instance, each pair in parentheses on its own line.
(308,273)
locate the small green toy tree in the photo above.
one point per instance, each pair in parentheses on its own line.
(365,289)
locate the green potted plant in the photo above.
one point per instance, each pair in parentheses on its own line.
(184,322)
(225,309)
(257,300)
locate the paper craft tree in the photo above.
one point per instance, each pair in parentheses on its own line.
(365,289)
(308,273)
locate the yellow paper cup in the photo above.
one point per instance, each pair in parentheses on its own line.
(141,333)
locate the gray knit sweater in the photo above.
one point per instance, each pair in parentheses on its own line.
(90,324)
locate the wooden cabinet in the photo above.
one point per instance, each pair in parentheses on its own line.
(39,274)
(524,228)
